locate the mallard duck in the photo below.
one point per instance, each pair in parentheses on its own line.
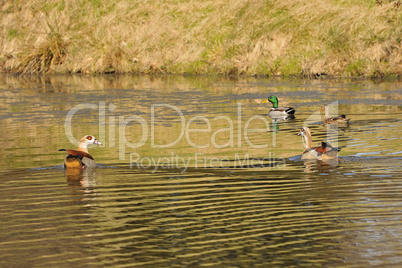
(323,152)
(333,120)
(279,112)
(81,158)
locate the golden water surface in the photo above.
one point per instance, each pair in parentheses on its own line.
(192,172)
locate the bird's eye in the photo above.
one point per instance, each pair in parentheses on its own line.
(89,137)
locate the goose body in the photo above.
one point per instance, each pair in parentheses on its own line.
(333,120)
(81,158)
(323,152)
(279,111)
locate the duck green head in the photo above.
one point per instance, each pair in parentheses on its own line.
(272,99)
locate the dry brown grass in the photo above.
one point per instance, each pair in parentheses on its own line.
(210,37)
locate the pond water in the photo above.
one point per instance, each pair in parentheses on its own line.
(192,172)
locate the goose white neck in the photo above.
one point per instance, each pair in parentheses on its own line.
(83,147)
(307,138)
(326,111)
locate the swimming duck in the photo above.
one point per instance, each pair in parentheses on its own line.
(279,112)
(323,152)
(333,120)
(81,158)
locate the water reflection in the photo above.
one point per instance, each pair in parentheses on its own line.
(321,166)
(81,177)
(275,122)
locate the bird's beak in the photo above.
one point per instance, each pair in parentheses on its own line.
(97,142)
(264,101)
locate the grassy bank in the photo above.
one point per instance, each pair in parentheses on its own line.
(273,37)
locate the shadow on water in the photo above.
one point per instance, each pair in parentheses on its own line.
(219,197)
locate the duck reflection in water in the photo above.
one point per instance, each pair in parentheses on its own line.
(276,121)
(80,177)
(320,165)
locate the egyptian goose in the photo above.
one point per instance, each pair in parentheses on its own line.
(333,120)
(279,112)
(81,158)
(323,152)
